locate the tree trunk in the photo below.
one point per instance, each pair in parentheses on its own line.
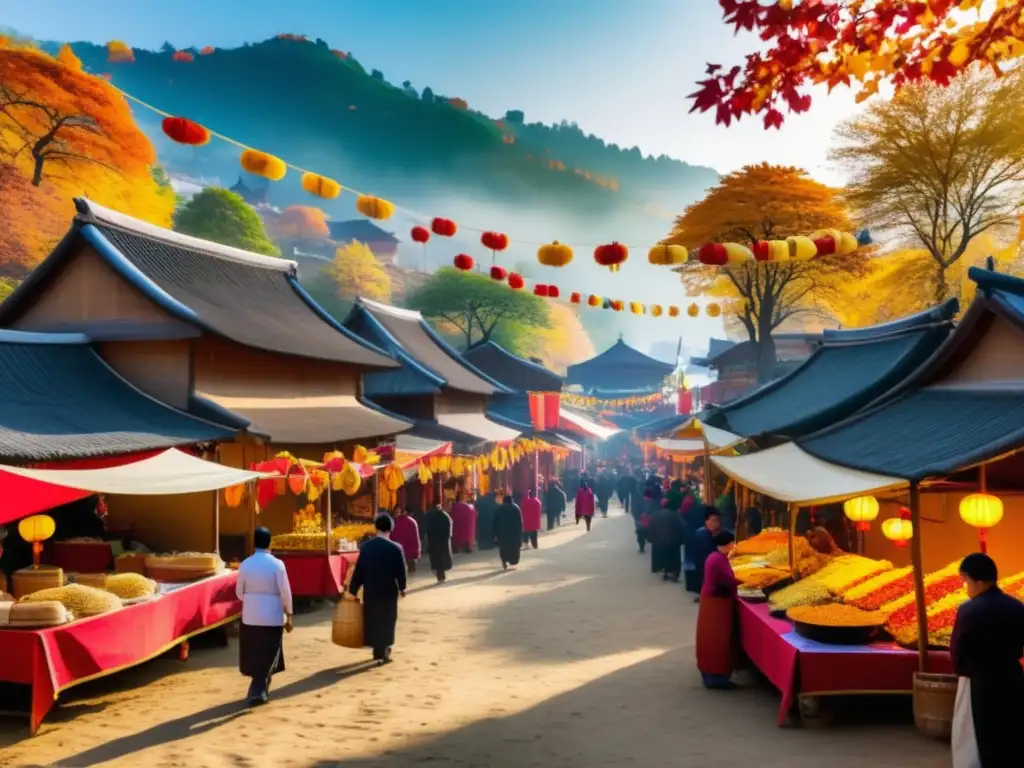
(765,352)
(37,169)
(941,284)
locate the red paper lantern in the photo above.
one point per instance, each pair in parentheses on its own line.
(420,234)
(182,56)
(540,290)
(713,254)
(185,131)
(617,305)
(826,246)
(498,273)
(611,255)
(575,297)
(443,227)
(762,251)
(463,261)
(495,241)
(515,281)
(553,292)
(593,300)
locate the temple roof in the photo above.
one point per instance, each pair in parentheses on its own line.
(619,368)
(514,372)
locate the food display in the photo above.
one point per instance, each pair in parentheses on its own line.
(751,595)
(760,578)
(763,543)
(130,586)
(350,533)
(130,562)
(803,592)
(845,570)
(836,615)
(183,567)
(80,601)
(35,615)
(28,580)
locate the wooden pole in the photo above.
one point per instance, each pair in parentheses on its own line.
(327,518)
(216,522)
(917,558)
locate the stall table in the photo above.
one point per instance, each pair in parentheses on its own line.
(316,574)
(802,668)
(54,659)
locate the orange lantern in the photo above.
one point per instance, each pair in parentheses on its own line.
(693,310)
(983,511)
(261,164)
(593,300)
(656,310)
(713,309)
(375,207)
(899,530)
(37,529)
(321,186)
(297,481)
(233,495)
(554,254)
(575,297)
(673,311)
(667,255)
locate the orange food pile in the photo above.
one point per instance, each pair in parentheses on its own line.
(836,615)
(764,542)
(759,578)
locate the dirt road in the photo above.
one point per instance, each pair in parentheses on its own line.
(577,658)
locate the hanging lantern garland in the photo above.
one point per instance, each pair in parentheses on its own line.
(612,255)
(463,261)
(668,255)
(495,241)
(321,186)
(185,131)
(261,164)
(499,274)
(516,282)
(375,207)
(554,254)
(575,297)
(444,227)
(713,309)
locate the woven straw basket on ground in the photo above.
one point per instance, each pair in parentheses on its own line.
(347,625)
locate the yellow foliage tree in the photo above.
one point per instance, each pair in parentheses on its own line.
(765,202)
(67,57)
(63,133)
(302,221)
(938,167)
(565,342)
(356,272)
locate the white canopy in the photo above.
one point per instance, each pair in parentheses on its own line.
(580,424)
(790,474)
(170,472)
(720,438)
(689,446)
(477,425)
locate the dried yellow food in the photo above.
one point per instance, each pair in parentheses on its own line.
(764,542)
(835,615)
(849,569)
(129,586)
(759,578)
(857,591)
(803,592)
(186,560)
(78,599)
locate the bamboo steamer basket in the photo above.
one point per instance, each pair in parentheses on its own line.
(182,568)
(347,624)
(32,579)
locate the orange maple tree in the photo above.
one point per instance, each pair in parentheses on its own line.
(843,42)
(63,118)
(302,221)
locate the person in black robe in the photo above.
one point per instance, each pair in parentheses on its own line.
(486,506)
(439,541)
(555,503)
(603,491)
(508,532)
(666,534)
(987,645)
(380,572)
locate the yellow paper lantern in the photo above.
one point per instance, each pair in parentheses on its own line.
(554,254)
(375,207)
(713,309)
(261,164)
(737,254)
(898,530)
(667,255)
(778,250)
(801,248)
(37,528)
(862,510)
(321,186)
(846,243)
(693,310)
(656,310)
(636,307)
(983,511)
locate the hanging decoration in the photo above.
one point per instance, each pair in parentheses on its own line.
(636,308)
(575,297)
(375,207)
(982,511)
(182,56)
(673,311)
(261,164)
(713,309)
(420,235)
(391,481)
(463,261)
(593,300)
(736,255)
(516,281)
(233,495)
(321,186)
(554,254)
(36,529)
(861,510)
(553,292)
(612,255)
(185,131)
(499,273)
(495,241)
(713,254)
(540,290)
(656,310)
(618,305)
(637,402)
(693,310)
(667,255)
(443,227)
(899,530)
(801,248)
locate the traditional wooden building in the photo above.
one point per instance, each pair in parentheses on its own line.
(383,244)
(736,365)
(217,332)
(619,371)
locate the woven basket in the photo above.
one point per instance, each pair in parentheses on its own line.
(178,574)
(29,580)
(347,624)
(130,564)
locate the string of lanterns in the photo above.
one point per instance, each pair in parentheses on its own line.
(596,403)
(555,254)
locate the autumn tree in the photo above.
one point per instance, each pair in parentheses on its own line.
(63,118)
(858,44)
(302,221)
(356,272)
(937,167)
(765,202)
(222,216)
(476,305)
(565,342)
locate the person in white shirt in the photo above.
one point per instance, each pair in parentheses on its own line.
(266,615)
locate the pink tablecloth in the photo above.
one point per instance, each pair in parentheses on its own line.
(801,667)
(316,574)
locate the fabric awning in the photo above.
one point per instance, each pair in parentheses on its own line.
(790,474)
(717,438)
(690,447)
(478,425)
(580,424)
(410,451)
(310,420)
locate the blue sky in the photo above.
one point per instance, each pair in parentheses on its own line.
(620,68)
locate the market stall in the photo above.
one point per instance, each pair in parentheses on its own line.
(66,629)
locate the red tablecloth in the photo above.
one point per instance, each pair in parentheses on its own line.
(53,660)
(317,574)
(801,667)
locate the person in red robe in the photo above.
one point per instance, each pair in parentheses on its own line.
(531,519)
(584,504)
(716,620)
(406,534)
(463,526)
